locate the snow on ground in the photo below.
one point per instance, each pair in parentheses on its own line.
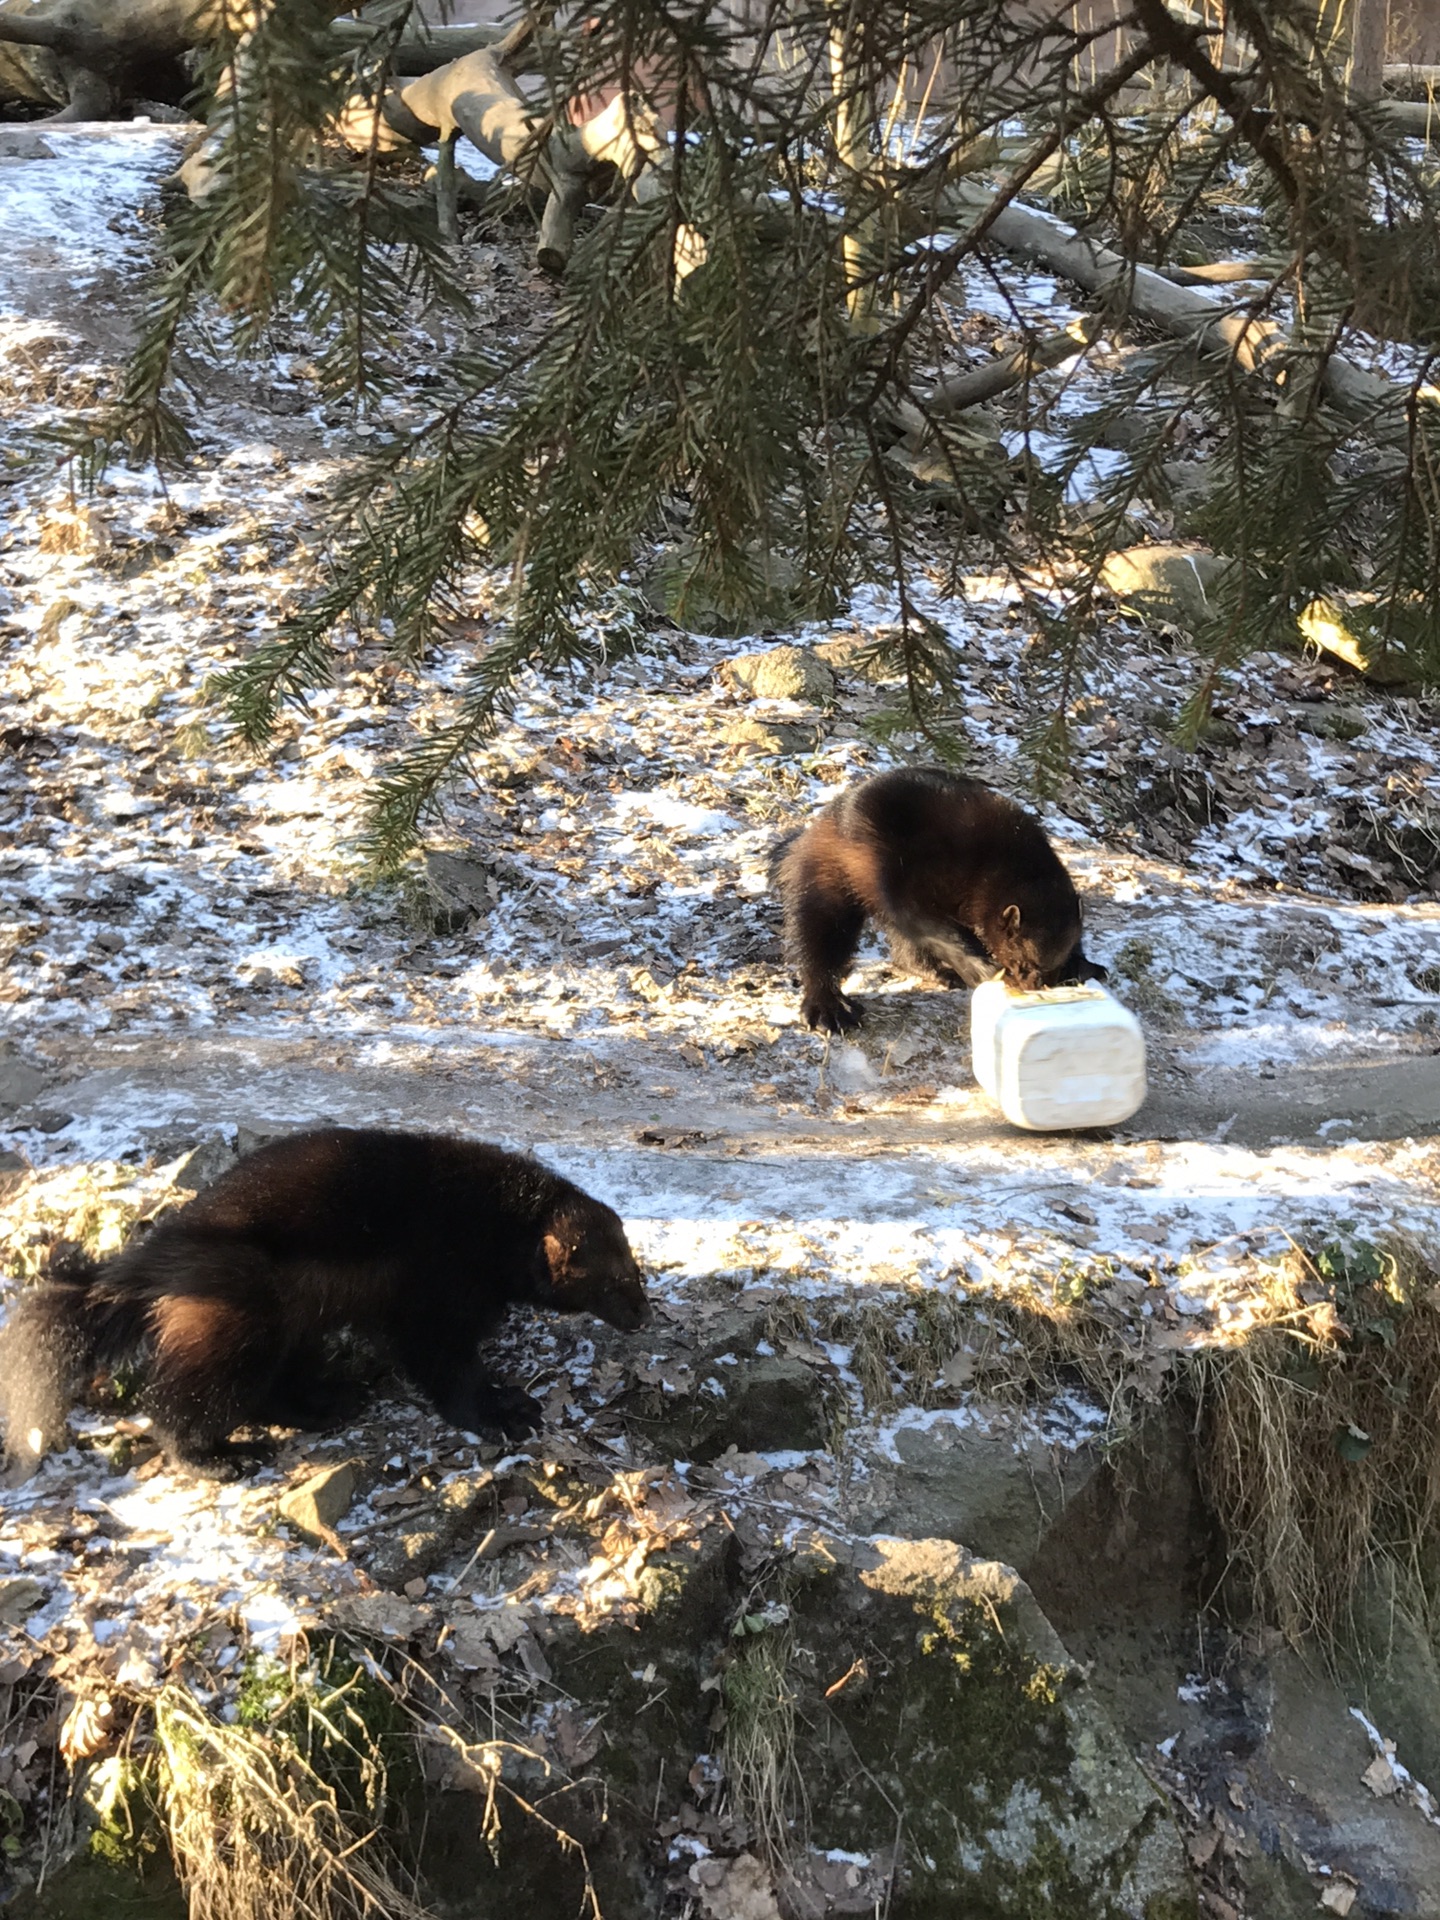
(190,959)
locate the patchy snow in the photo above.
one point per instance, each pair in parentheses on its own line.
(75,209)
(191,963)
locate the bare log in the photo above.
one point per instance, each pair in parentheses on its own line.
(1183,311)
(1220,273)
(969,389)
(477,97)
(1420,119)
(557,224)
(423,51)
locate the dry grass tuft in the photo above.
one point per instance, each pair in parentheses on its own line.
(1320,1436)
(761,1763)
(255,1830)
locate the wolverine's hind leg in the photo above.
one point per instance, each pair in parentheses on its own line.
(311,1391)
(213,1364)
(823,922)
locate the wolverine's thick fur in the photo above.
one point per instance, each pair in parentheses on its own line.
(417,1242)
(963,881)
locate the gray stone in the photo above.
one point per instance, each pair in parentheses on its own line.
(434,1530)
(1189,483)
(314,1507)
(998,1492)
(782,673)
(21,1081)
(19,1597)
(458,889)
(857,655)
(909,1703)
(1326,722)
(761,1404)
(24,143)
(771,736)
(936,1696)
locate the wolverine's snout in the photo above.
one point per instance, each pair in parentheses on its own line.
(627,1311)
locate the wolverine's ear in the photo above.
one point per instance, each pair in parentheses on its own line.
(1011,917)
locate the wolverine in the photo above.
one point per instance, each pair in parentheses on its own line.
(416,1242)
(963,881)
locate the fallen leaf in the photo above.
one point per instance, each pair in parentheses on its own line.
(577,1741)
(1380,1777)
(86,1730)
(1201,1846)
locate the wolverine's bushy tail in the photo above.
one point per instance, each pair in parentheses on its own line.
(778,850)
(48,1346)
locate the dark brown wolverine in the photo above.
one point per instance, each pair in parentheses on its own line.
(963,881)
(416,1242)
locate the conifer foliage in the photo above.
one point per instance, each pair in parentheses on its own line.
(744,381)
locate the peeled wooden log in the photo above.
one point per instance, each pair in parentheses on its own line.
(476,96)
(958,391)
(1219,273)
(1184,311)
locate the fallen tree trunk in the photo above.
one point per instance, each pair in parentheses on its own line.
(93,58)
(1183,311)
(1419,119)
(421,51)
(110,52)
(977,384)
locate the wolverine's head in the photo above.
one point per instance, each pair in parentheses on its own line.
(591,1267)
(1033,950)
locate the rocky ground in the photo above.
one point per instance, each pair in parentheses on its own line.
(846,1243)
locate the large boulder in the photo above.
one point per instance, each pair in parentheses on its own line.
(938,1703)
(1166,582)
(899,1727)
(781,673)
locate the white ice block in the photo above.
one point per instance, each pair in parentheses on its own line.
(1064,1057)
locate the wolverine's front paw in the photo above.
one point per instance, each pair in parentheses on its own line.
(1081,971)
(226,1460)
(830,1012)
(516,1413)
